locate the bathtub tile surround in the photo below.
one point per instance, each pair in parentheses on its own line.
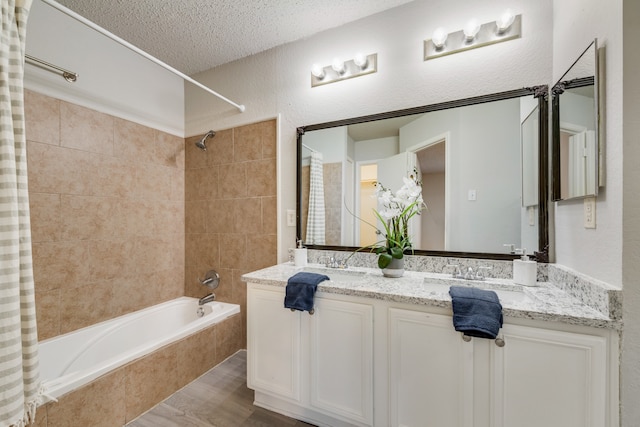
(125,393)
(230,209)
(107,214)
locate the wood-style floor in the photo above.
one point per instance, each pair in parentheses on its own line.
(219,398)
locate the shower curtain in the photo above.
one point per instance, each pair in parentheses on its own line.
(315,216)
(19,374)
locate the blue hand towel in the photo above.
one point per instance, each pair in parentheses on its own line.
(476,312)
(300,290)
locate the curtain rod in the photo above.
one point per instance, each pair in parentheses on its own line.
(309,148)
(69,76)
(128,45)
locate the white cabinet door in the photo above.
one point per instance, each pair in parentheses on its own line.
(549,378)
(431,371)
(341,356)
(273,345)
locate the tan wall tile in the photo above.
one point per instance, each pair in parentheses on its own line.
(229,337)
(107,207)
(99,404)
(232,180)
(202,183)
(261,178)
(85,306)
(133,142)
(243,210)
(196,355)
(61,264)
(47,313)
(86,129)
(269,214)
(150,380)
(45,217)
(233,250)
(170,150)
(42,118)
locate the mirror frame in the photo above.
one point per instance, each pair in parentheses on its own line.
(556,91)
(540,92)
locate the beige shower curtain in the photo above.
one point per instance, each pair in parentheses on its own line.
(19,376)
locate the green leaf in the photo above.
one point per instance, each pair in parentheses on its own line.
(384,260)
(396,253)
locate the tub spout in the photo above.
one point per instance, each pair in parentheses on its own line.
(207,299)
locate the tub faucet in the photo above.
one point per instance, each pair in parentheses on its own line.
(207,299)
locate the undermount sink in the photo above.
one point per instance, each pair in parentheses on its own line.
(337,273)
(506,291)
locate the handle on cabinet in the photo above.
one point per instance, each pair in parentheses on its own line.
(499,341)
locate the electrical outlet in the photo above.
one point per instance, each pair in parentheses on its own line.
(291,218)
(532,215)
(590,212)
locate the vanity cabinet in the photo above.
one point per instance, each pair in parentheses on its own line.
(367,362)
(540,377)
(318,367)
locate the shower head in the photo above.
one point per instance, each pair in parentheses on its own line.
(201,144)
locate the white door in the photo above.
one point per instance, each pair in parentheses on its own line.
(548,378)
(341,352)
(273,345)
(431,371)
(390,173)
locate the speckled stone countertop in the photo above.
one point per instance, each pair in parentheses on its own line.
(543,302)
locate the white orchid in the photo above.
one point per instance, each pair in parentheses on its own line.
(397,209)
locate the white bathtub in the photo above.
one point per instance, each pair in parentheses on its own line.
(72,360)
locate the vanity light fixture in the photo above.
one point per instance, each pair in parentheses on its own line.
(341,70)
(439,37)
(471,30)
(505,21)
(338,66)
(507,27)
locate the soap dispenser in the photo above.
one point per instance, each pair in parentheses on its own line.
(525,270)
(300,255)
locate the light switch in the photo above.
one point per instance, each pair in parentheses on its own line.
(472,195)
(590,212)
(291,218)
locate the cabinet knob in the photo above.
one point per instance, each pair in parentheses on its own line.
(500,342)
(466,338)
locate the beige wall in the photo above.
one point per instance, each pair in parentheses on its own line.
(107,214)
(231,204)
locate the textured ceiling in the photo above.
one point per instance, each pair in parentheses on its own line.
(196,35)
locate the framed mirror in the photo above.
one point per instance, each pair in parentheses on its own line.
(575,155)
(477,158)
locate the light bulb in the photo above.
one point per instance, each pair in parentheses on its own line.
(471,29)
(439,37)
(338,65)
(360,60)
(504,22)
(317,71)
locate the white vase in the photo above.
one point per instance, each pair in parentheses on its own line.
(394,269)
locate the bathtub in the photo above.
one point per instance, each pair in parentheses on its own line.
(72,360)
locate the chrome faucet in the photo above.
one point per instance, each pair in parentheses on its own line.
(469,274)
(206,299)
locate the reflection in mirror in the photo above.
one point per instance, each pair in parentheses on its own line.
(575,129)
(479,160)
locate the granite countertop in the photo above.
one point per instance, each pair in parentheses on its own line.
(543,302)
